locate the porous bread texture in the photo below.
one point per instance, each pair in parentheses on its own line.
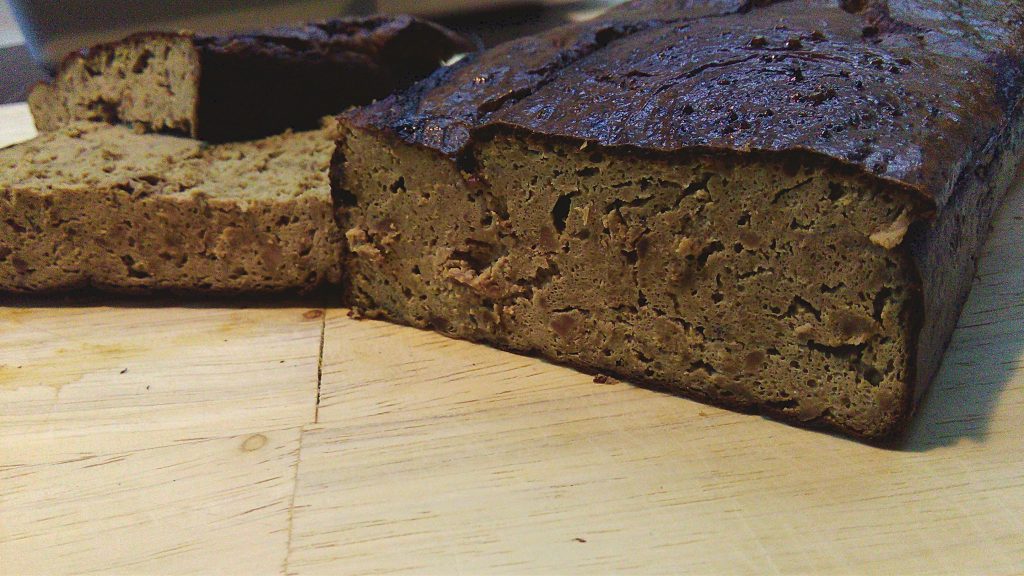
(151,80)
(92,205)
(869,96)
(761,282)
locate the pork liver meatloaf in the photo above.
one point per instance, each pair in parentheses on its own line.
(99,205)
(220,88)
(775,207)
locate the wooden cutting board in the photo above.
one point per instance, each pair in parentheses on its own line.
(171,437)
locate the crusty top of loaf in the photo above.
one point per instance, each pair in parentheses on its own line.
(911,91)
(387,37)
(303,73)
(87,156)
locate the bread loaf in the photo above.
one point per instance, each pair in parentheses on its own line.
(94,205)
(220,88)
(86,204)
(771,206)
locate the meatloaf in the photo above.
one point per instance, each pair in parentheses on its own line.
(95,205)
(220,88)
(771,206)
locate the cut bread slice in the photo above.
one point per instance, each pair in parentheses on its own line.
(732,279)
(95,205)
(220,88)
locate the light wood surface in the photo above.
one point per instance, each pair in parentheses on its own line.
(289,439)
(15,124)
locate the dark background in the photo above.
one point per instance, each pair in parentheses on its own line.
(19,72)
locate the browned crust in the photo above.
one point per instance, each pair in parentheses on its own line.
(883,90)
(261,83)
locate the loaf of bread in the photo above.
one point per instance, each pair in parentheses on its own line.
(220,88)
(94,205)
(774,207)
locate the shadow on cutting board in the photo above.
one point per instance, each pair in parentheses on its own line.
(988,345)
(88,298)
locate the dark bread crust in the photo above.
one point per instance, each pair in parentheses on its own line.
(262,83)
(862,87)
(918,99)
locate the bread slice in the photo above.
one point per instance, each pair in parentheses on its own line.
(220,88)
(94,205)
(776,208)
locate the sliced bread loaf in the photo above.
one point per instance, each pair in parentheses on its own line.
(220,88)
(95,205)
(771,206)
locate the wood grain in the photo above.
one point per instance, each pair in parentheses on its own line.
(151,439)
(155,438)
(183,505)
(85,370)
